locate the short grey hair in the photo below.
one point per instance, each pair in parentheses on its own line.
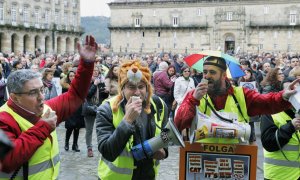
(17,79)
(163,66)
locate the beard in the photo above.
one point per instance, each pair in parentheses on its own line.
(214,87)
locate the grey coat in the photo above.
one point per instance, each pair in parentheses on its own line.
(50,92)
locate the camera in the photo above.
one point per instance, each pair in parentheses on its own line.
(5,144)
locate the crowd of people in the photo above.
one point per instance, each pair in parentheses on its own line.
(86,89)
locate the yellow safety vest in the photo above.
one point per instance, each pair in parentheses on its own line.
(45,162)
(123,166)
(276,166)
(230,106)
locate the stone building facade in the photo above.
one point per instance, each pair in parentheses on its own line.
(188,26)
(50,25)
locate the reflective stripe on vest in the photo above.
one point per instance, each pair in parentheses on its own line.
(123,166)
(230,106)
(117,169)
(278,162)
(288,147)
(34,169)
(45,162)
(275,164)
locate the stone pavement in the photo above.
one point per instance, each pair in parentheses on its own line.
(77,166)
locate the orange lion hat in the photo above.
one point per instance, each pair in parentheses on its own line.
(133,71)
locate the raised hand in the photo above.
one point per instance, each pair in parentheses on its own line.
(200,90)
(89,49)
(290,90)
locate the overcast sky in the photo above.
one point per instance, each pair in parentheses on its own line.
(94,8)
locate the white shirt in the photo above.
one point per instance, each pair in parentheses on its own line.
(182,87)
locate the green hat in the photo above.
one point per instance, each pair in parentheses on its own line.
(216,61)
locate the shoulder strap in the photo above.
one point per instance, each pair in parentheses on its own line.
(278,144)
(218,115)
(238,106)
(159,106)
(25,172)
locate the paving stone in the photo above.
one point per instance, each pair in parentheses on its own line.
(77,166)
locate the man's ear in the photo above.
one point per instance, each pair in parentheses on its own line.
(224,75)
(14,97)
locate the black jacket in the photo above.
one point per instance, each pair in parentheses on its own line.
(268,129)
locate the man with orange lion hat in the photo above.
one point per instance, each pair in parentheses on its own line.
(126,120)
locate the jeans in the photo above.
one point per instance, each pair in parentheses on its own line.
(89,125)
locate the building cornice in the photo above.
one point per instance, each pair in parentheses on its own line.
(192,3)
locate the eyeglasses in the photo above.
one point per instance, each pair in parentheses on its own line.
(34,92)
(132,87)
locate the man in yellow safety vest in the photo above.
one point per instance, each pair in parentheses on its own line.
(30,122)
(129,119)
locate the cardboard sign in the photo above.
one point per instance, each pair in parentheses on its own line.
(194,163)
(217,161)
(295,100)
(250,85)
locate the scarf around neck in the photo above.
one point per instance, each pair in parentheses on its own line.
(47,83)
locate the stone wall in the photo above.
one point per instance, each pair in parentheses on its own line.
(50,25)
(251,26)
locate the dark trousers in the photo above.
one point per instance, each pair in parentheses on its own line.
(75,135)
